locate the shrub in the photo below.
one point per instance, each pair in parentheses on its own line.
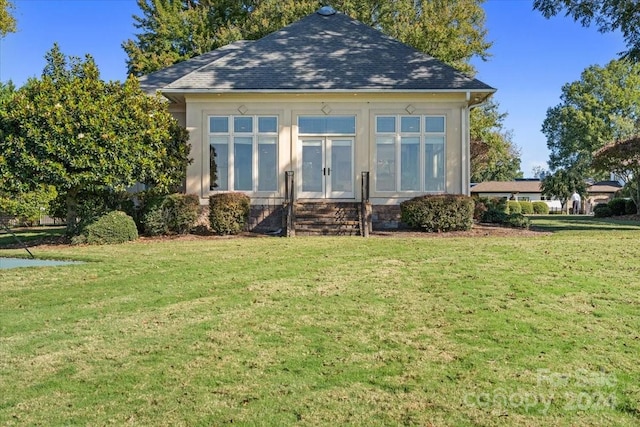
(513,206)
(540,208)
(617,206)
(114,227)
(228,212)
(526,208)
(438,213)
(602,210)
(516,220)
(481,206)
(630,207)
(494,216)
(175,214)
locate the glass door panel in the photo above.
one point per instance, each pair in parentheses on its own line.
(312,168)
(340,168)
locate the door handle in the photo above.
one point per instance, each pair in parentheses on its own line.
(328,171)
(324,171)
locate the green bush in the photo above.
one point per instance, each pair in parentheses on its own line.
(516,220)
(494,216)
(526,208)
(229,212)
(630,207)
(617,206)
(114,227)
(438,213)
(481,206)
(175,214)
(513,206)
(540,208)
(602,210)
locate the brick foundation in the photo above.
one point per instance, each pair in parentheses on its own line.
(386,217)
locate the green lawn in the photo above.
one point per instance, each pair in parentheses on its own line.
(528,331)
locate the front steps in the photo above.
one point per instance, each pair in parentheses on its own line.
(327,219)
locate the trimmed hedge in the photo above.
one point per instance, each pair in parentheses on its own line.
(513,206)
(114,227)
(540,208)
(617,206)
(229,212)
(438,213)
(526,207)
(175,214)
(602,210)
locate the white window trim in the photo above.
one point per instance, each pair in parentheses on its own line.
(397,137)
(255,137)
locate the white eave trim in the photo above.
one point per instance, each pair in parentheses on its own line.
(285,91)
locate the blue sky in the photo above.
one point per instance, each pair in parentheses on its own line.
(532,57)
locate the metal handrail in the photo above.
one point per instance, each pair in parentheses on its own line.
(289,201)
(364,204)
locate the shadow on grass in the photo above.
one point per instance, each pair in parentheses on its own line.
(33,237)
(555,223)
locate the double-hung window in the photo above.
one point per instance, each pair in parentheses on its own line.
(243,153)
(410,153)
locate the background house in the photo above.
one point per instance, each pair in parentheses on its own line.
(531,190)
(337,103)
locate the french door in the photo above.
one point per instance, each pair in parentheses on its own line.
(326,168)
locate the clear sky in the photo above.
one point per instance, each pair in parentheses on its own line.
(532,57)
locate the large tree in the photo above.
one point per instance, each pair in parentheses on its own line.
(600,107)
(7,21)
(174,30)
(623,159)
(494,157)
(608,15)
(72,130)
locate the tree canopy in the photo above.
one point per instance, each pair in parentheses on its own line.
(608,15)
(7,21)
(623,159)
(494,157)
(600,107)
(72,130)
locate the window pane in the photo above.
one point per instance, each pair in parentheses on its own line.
(267,124)
(243,124)
(219,163)
(243,164)
(385,164)
(219,124)
(434,164)
(319,125)
(410,124)
(341,166)
(385,124)
(267,164)
(410,164)
(434,124)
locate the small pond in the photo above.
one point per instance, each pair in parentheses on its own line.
(29,262)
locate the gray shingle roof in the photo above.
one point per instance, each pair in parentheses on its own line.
(316,53)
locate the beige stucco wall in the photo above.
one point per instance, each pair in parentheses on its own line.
(364,106)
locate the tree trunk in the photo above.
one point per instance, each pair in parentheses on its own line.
(72,211)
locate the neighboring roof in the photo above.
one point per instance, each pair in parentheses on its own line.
(317,53)
(534,186)
(605,187)
(524,186)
